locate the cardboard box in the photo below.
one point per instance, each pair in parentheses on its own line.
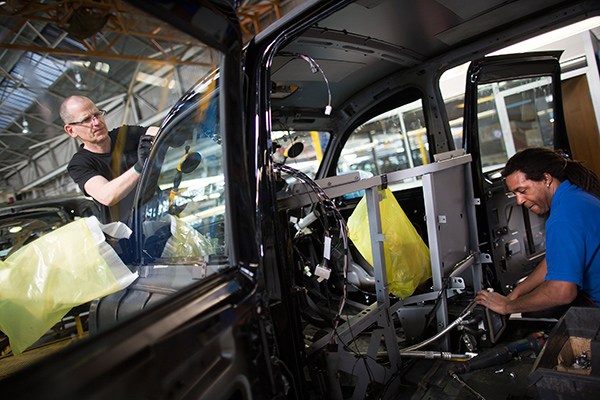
(552,373)
(574,347)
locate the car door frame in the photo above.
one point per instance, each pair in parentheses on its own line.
(207,340)
(492,195)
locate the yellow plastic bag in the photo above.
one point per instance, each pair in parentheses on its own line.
(185,241)
(406,255)
(43,280)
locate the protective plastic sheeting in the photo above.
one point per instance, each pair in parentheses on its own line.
(43,280)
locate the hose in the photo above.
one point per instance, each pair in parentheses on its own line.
(444,355)
(466,312)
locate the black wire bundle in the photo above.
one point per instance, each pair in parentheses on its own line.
(328,204)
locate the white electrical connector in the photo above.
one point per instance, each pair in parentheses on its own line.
(327,247)
(322,273)
(328,109)
(302,224)
(307,271)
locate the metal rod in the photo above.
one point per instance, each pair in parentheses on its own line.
(466,385)
(441,333)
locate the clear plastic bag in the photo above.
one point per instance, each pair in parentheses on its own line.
(406,255)
(65,268)
(185,241)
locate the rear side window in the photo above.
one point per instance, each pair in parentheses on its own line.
(512,115)
(392,141)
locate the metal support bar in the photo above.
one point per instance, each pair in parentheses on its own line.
(472,221)
(444,203)
(377,239)
(365,368)
(433,219)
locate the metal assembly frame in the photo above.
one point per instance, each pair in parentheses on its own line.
(453,244)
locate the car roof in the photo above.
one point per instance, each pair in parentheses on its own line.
(370,41)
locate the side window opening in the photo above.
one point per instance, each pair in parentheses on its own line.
(392,141)
(519,113)
(512,115)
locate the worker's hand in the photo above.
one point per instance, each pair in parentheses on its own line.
(494,301)
(143,152)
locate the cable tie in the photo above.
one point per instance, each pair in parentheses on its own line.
(384,181)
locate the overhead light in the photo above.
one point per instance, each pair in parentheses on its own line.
(81,63)
(25,130)
(16,228)
(79,81)
(102,67)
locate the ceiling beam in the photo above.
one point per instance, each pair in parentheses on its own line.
(174,60)
(122,22)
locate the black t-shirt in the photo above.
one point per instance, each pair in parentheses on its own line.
(86,164)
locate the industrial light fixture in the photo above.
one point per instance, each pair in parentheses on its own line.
(79,81)
(102,67)
(25,124)
(82,64)
(15,229)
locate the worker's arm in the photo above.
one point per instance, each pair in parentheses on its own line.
(547,295)
(533,280)
(111,192)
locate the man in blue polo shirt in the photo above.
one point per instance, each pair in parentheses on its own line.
(546,182)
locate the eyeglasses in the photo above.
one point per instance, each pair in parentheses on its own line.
(85,121)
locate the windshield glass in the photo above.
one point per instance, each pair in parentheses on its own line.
(181,213)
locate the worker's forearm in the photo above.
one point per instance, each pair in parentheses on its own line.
(111,192)
(547,295)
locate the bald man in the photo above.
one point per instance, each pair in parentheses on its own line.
(107,165)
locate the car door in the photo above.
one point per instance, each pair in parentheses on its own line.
(512,102)
(189,326)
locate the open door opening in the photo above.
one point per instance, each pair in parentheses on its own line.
(512,102)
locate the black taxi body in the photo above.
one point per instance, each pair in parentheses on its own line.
(249,286)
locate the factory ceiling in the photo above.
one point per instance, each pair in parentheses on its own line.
(128,62)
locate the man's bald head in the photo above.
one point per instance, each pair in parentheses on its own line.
(67,105)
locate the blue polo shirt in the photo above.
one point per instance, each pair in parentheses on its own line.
(573,239)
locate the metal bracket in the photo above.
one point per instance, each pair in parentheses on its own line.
(456,286)
(485,258)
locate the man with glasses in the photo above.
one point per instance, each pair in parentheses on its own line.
(107,165)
